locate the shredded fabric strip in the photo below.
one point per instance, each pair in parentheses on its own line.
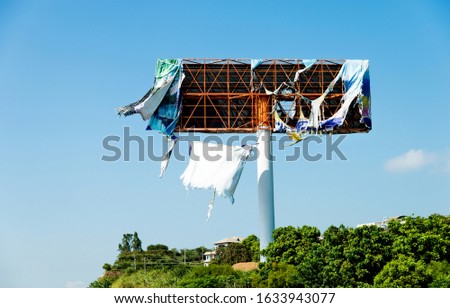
(355,77)
(165,160)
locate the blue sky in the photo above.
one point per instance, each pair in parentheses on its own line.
(66,65)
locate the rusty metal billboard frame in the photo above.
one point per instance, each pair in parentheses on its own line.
(227,96)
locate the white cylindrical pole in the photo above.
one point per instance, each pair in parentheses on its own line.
(265,188)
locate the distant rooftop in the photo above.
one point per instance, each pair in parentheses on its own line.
(233,239)
(383,223)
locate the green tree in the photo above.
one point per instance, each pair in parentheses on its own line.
(215,276)
(403,272)
(283,276)
(157,254)
(126,245)
(252,244)
(310,271)
(421,238)
(159,247)
(136,243)
(344,257)
(296,247)
(440,271)
(233,253)
(101,283)
(366,250)
(290,244)
(193,255)
(331,260)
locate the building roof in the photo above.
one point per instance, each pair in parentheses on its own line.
(382,223)
(233,239)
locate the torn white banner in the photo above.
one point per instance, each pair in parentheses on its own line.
(216,167)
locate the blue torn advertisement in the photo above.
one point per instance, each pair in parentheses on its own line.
(161,105)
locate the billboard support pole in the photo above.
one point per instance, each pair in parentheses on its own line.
(265,188)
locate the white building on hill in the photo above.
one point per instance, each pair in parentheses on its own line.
(210,255)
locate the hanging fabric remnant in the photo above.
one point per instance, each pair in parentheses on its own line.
(165,160)
(161,105)
(279,126)
(282,127)
(211,204)
(315,118)
(355,77)
(308,64)
(216,167)
(353,73)
(166,117)
(254,63)
(147,105)
(364,107)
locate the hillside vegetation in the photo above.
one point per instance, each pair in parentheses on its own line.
(411,253)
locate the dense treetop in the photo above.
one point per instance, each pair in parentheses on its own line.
(412,252)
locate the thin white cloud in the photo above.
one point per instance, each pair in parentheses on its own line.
(74,284)
(414,159)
